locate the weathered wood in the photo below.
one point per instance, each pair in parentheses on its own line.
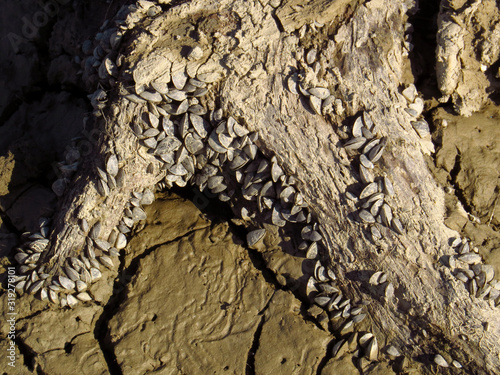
(83,201)
(363,62)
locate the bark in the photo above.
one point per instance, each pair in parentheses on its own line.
(361,62)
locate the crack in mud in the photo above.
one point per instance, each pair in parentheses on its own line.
(100,334)
(250,365)
(454,180)
(120,295)
(68,346)
(259,263)
(134,264)
(327,357)
(27,317)
(28,355)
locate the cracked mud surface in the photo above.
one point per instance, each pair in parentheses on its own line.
(189,297)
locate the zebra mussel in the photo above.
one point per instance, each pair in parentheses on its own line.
(414,110)
(375,210)
(468,267)
(373,199)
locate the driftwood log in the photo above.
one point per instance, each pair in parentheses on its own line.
(252,47)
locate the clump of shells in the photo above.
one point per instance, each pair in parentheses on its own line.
(468,267)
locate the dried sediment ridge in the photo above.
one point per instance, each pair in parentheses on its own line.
(308,147)
(467,49)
